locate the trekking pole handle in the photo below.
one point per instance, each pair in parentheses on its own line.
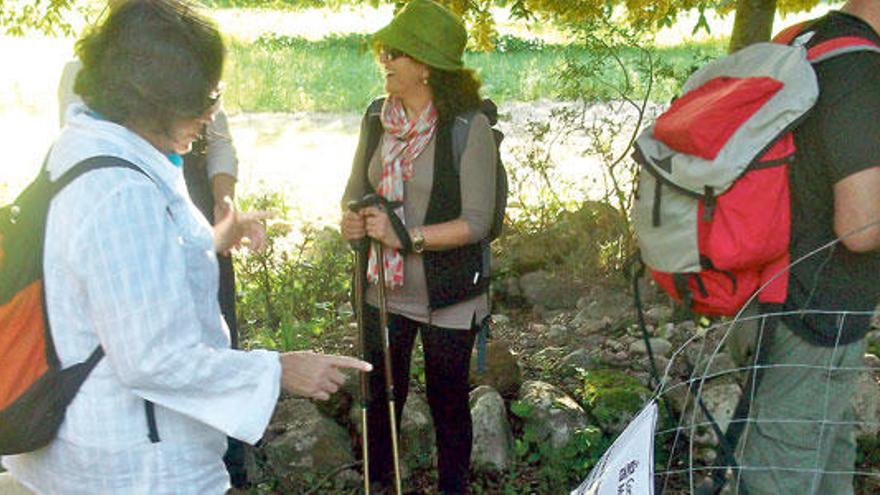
(359,245)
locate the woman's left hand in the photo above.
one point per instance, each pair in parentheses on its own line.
(238,228)
(379,227)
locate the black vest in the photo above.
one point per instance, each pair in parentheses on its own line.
(453,275)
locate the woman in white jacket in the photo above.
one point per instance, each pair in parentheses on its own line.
(130,265)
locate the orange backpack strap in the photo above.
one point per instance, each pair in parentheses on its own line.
(787,35)
(839,46)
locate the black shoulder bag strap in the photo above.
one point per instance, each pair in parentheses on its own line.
(78,170)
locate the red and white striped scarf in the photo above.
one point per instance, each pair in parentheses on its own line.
(403,142)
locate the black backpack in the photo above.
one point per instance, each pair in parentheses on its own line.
(34,390)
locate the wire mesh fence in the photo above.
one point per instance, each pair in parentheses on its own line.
(758,406)
(749,406)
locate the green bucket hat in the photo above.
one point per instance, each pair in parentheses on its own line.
(428,32)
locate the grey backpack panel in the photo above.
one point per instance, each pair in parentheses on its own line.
(786,64)
(669,242)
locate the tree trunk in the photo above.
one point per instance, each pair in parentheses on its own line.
(754,23)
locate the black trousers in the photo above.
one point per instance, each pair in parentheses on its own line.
(199,187)
(447,363)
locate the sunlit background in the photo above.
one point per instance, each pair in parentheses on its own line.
(305,154)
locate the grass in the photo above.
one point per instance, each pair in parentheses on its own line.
(338,73)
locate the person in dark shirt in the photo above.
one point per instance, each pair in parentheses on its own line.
(799,440)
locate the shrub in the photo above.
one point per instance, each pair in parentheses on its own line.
(291,294)
(557,469)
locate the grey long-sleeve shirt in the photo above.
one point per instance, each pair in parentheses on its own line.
(477,203)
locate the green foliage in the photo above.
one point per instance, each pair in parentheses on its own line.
(869,451)
(284,74)
(18,18)
(611,397)
(547,229)
(557,468)
(873,345)
(289,295)
(576,242)
(338,73)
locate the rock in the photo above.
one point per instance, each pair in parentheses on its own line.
(493,447)
(872,362)
(511,288)
(607,356)
(658,314)
(721,365)
(500,319)
(339,404)
(502,369)
(417,444)
(541,288)
(345,310)
(866,400)
(613,304)
(613,398)
(614,345)
(579,359)
(593,341)
(552,416)
(635,331)
(590,327)
(680,333)
(305,441)
(558,331)
(555,316)
(661,364)
(707,456)
(537,328)
(659,347)
(584,315)
(720,398)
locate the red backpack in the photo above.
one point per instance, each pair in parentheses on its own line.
(712,211)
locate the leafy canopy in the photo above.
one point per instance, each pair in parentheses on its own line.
(19,17)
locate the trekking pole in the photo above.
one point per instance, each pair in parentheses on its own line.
(360,268)
(386,348)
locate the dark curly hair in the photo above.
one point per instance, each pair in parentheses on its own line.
(150,62)
(455,92)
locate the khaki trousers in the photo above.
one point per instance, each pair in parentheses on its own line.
(794,442)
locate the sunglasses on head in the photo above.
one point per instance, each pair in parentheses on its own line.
(388,54)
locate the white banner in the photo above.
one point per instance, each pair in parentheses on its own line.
(627,468)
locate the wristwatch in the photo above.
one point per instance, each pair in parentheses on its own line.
(418,241)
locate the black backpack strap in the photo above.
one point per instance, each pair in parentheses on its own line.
(374,134)
(78,170)
(150,411)
(461,129)
(94,163)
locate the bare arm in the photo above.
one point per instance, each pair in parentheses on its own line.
(857,210)
(222,186)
